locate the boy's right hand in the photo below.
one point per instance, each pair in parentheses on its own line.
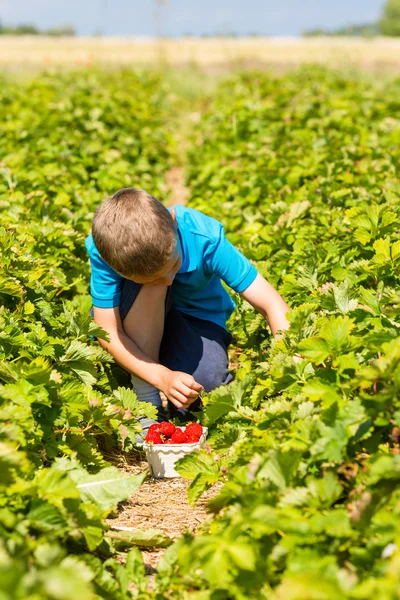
(180,388)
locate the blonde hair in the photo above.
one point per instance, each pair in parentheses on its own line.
(134,233)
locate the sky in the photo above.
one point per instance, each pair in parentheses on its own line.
(179,17)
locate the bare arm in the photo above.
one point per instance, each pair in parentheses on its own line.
(180,388)
(124,350)
(266,300)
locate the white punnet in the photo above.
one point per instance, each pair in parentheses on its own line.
(162,458)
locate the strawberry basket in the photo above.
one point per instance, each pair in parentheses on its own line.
(163,457)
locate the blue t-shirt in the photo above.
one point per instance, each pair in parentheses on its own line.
(207,257)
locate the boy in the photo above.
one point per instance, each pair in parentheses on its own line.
(156,289)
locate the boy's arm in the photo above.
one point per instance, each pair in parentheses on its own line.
(180,388)
(226,261)
(266,300)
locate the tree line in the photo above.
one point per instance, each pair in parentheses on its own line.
(388,24)
(27,29)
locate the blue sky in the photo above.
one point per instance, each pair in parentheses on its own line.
(136,17)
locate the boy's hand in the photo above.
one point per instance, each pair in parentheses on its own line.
(180,388)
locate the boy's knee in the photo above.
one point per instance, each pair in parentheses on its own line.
(212,369)
(213,372)
(213,378)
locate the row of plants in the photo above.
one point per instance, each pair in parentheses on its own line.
(303,171)
(66,141)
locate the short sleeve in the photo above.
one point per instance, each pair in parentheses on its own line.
(230,264)
(105,283)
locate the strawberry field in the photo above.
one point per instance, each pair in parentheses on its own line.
(303,170)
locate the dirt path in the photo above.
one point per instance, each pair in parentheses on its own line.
(160,504)
(163,503)
(175,179)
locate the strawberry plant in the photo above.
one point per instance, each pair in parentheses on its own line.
(65,142)
(303,171)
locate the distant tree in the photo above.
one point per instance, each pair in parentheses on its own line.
(27,29)
(357,30)
(66,30)
(24,29)
(315,32)
(390,21)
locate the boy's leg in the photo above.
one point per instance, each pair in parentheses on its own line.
(144,321)
(143,313)
(197,347)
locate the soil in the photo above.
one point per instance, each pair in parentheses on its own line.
(176,184)
(160,504)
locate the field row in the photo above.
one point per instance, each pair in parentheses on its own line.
(303,171)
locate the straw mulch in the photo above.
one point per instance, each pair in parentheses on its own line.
(160,504)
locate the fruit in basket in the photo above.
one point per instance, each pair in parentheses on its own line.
(167,433)
(153,437)
(179,436)
(192,439)
(154,428)
(167,429)
(194,429)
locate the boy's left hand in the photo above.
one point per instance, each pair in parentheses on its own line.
(180,388)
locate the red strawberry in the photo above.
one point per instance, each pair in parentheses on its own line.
(179,436)
(154,428)
(166,429)
(192,439)
(153,437)
(168,442)
(194,429)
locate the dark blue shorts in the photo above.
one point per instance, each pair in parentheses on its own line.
(195,346)
(189,344)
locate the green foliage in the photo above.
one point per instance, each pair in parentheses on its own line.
(27,29)
(366,30)
(303,171)
(390,21)
(65,142)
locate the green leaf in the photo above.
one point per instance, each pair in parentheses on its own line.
(280,468)
(201,483)
(45,517)
(78,358)
(68,580)
(315,348)
(135,567)
(107,487)
(395,251)
(243,555)
(325,491)
(194,463)
(362,235)
(144,538)
(382,251)
(55,485)
(129,401)
(385,467)
(343,301)
(315,389)
(336,332)
(297,586)
(93,536)
(218,403)
(11,286)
